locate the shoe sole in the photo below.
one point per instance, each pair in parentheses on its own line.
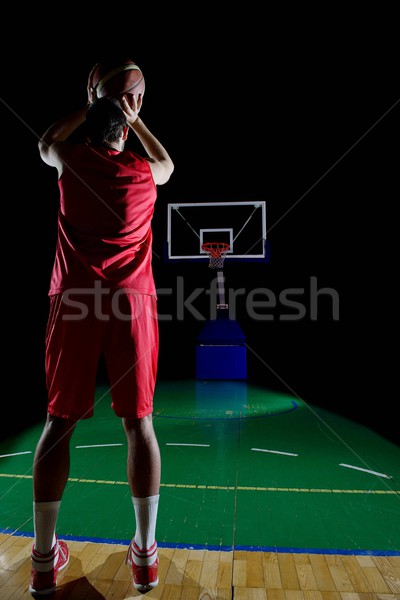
(43,592)
(143,589)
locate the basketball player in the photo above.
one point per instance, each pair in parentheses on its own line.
(102,302)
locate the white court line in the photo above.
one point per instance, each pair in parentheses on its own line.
(274,451)
(202,445)
(366,471)
(15,454)
(98,446)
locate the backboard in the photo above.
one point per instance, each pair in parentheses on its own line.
(240,224)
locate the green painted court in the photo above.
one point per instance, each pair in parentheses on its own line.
(243,467)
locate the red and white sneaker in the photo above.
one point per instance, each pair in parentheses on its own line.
(45,582)
(144,565)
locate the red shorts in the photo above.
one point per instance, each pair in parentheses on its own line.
(120,326)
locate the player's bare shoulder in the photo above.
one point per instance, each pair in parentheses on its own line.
(56,154)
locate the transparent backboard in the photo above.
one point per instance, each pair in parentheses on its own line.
(240,224)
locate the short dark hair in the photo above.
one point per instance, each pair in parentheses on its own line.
(105,121)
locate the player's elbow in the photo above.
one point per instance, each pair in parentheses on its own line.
(43,149)
(168,170)
(163,171)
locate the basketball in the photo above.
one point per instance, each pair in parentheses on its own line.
(116,78)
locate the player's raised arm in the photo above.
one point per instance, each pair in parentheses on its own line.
(160,162)
(50,143)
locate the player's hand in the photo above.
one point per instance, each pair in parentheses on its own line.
(131,105)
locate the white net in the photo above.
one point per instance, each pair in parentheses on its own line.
(217,262)
(216,252)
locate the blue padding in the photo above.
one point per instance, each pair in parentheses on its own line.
(221,331)
(221,362)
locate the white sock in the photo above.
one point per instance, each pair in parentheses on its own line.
(45,516)
(146,518)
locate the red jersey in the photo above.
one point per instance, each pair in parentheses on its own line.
(107,202)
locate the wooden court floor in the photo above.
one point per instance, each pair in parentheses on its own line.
(98,571)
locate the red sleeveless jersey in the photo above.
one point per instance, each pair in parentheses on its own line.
(107,202)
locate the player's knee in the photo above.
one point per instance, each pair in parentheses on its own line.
(143,426)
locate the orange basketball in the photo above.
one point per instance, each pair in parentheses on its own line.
(115,78)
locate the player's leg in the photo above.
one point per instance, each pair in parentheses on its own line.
(50,475)
(131,355)
(144,470)
(72,351)
(143,460)
(52,459)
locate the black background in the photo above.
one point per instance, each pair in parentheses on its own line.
(300,109)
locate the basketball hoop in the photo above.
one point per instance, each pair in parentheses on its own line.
(216,252)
